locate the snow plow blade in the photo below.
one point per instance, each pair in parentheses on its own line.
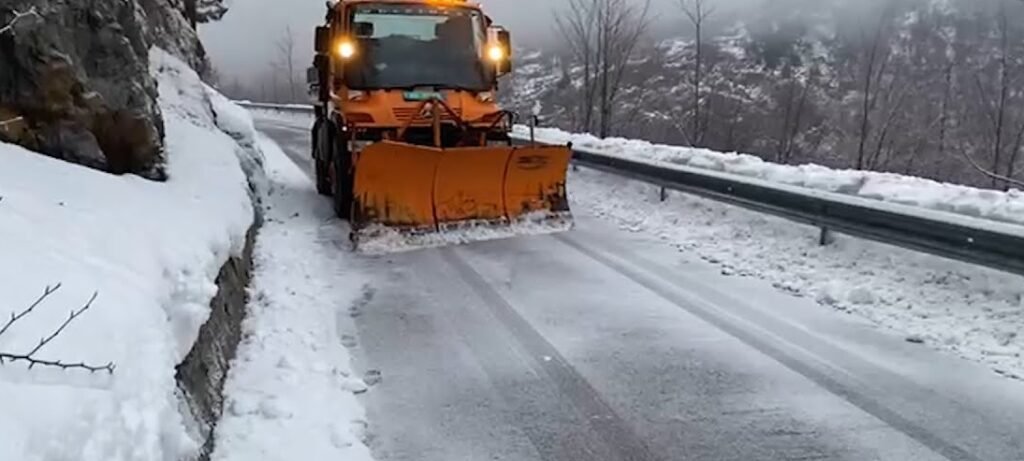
(394,187)
(416,196)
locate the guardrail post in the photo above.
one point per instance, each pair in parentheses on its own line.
(825,238)
(575,166)
(534,121)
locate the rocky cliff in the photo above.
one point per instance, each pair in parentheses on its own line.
(75,82)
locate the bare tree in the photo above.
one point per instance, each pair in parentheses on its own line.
(285,63)
(794,101)
(603,36)
(31,357)
(1000,105)
(576,24)
(875,59)
(698,11)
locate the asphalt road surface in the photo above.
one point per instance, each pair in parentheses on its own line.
(598,344)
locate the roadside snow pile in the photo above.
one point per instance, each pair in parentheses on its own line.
(968,310)
(1006,207)
(150,250)
(291,391)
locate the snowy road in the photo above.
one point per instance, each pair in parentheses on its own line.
(605,345)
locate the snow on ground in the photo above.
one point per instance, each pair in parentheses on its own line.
(1005,207)
(298,115)
(150,250)
(291,391)
(376,240)
(971,311)
(968,310)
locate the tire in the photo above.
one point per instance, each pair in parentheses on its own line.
(323,178)
(341,164)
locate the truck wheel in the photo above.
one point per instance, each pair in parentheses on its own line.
(323,177)
(322,172)
(342,180)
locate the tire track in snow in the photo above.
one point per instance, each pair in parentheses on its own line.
(602,419)
(775,347)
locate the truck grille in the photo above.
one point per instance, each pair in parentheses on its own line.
(404,113)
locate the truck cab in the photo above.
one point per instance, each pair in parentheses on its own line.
(378,61)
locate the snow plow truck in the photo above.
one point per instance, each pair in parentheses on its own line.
(409,136)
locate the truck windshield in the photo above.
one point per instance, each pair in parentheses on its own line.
(407,46)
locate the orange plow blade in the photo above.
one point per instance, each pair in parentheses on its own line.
(535,182)
(394,187)
(431,197)
(468,186)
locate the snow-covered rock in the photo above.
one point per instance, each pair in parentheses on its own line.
(150,250)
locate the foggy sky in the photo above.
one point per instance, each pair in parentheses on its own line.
(243,43)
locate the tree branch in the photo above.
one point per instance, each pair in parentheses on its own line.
(991,175)
(30,357)
(71,318)
(14,318)
(4,123)
(17,17)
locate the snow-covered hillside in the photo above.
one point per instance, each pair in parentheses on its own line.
(151,253)
(911,87)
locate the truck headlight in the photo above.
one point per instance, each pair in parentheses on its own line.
(495,53)
(346,49)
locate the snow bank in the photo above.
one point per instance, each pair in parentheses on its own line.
(973,312)
(1004,207)
(291,391)
(150,250)
(237,122)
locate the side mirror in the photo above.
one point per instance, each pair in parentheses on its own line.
(312,75)
(323,40)
(320,74)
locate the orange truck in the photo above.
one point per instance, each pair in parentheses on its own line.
(409,135)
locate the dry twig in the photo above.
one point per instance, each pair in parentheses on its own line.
(30,358)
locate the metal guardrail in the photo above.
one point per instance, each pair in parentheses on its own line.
(939,237)
(830,212)
(296,108)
